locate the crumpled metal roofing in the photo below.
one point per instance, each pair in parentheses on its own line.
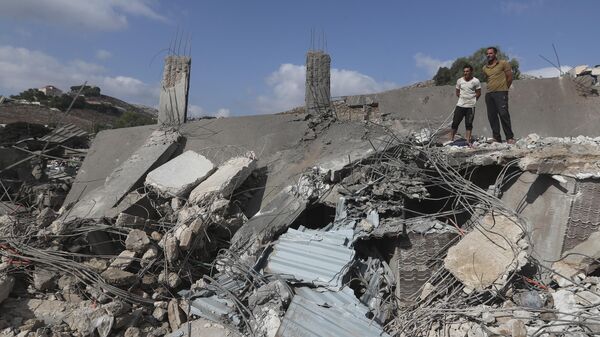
(63,134)
(315,313)
(312,256)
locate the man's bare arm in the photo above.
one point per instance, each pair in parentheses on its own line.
(477,93)
(457,92)
(509,77)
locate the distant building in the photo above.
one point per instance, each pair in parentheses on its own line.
(50,90)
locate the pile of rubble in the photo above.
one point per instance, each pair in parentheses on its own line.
(409,240)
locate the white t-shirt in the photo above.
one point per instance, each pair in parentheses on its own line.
(467,98)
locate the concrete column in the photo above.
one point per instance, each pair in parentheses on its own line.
(172,107)
(318,92)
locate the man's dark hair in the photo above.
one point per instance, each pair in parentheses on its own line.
(494,49)
(468,66)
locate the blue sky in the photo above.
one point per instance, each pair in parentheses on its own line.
(248,56)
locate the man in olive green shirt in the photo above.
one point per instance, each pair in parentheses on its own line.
(499,78)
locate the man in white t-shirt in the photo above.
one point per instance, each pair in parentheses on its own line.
(468,90)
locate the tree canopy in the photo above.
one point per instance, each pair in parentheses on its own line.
(130,118)
(445,75)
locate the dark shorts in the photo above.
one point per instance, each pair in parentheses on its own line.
(459,113)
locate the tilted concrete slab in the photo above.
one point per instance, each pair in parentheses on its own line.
(180,175)
(548,107)
(488,254)
(546,204)
(271,137)
(157,148)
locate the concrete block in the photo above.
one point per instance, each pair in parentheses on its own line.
(124,260)
(149,255)
(180,175)
(43,279)
(127,220)
(225,180)
(137,241)
(175,314)
(171,248)
(118,277)
(187,238)
(486,255)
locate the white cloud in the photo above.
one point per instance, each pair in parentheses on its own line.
(430,64)
(519,6)
(547,72)
(88,14)
(287,87)
(198,111)
(222,113)
(102,54)
(22,68)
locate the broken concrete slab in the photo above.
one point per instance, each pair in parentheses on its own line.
(489,253)
(157,148)
(546,205)
(180,175)
(226,179)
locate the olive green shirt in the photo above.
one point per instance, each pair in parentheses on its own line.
(496,76)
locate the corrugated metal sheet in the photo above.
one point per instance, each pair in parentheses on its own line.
(311,256)
(63,134)
(584,217)
(214,308)
(328,313)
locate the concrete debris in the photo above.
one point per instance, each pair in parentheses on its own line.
(180,175)
(489,253)
(44,279)
(118,277)
(338,229)
(124,260)
(137,241)
(225,180)
(175,314)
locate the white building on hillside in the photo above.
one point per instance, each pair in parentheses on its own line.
(50,90)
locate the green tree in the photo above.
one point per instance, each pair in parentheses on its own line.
(62,102)
(130,118)
(88,91)
(445,76)
(32,95)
